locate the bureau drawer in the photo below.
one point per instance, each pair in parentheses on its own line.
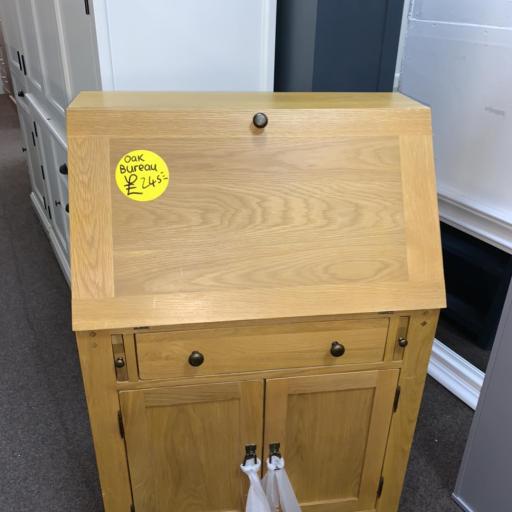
(233,350)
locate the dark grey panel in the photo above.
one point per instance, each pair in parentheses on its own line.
(485,476)
(295,45)
(337,45)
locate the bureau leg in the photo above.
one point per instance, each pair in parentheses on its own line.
(95,350)
(420,336)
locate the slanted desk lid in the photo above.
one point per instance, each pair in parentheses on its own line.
(183,212)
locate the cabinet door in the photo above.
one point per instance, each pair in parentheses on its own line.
(185,444)
(333,431)
(51,52)
(31,58)
(36,168)
(56,183)
(11,27)
(79,47)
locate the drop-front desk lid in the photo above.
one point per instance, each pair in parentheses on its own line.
(183,211)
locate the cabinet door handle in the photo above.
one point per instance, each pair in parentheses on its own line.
(196,358)
(67,208)
(87,8)
(63,169)
(337,349)
(23,63)
(19,60)
(402,342)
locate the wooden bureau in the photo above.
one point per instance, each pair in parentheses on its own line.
(251,269)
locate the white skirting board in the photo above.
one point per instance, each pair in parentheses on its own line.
(455,373)
(61,257)
(461,504)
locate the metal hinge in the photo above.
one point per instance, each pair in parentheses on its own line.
(381,485)
(397,399)
(121,423)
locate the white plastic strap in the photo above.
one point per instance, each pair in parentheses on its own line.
(256,499)
(278,489)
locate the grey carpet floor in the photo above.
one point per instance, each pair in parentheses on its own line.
(46,456)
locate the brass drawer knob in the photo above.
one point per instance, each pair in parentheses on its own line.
(260,120)
(337,349)
(196,358)
(402,342)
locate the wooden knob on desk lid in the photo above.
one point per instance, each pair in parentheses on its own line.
(260,120)
(337,349)
(196,358)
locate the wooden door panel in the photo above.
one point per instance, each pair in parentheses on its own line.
(185,445)
(333,431)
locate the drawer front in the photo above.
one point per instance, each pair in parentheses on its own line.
(234,350)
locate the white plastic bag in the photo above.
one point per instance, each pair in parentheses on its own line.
(256,499)
(278,489)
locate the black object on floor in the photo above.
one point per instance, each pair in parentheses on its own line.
(46,456)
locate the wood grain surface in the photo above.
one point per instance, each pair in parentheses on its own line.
(163,355)
(333,432)
(331,209)
(185,445)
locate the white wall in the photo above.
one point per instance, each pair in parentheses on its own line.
(458,59)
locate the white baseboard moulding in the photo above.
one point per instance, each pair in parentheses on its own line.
(456,374)
(461,504)
(491,226)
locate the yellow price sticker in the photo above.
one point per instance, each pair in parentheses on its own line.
(142,175)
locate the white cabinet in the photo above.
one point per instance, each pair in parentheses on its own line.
(57,48)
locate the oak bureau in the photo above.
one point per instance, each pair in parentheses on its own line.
(252,269)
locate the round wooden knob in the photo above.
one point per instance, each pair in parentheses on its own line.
(337,349)
(196,358)
(403,342)
(260,120)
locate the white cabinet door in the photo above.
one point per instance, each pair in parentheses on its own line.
(31,58)
(11,27)
(54,78)
(197,45)
(55,159)
(79,46)
(37,172)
